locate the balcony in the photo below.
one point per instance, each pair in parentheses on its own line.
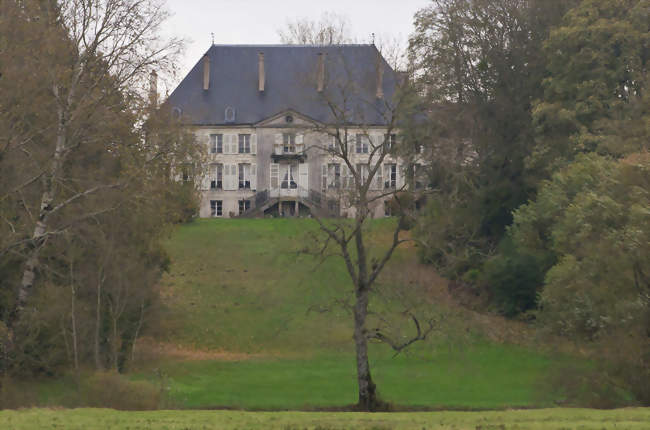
(289,153)
(300,158)
(292,193)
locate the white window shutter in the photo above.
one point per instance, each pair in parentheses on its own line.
(386,175)
(379,178)
(275,176)
(378,140)
(205,183)
(253,143)
(278,143)
(233,144)
(253,176)
(324,175)
(303,176)
(232,177)
(226,176)
(300,139)
(400,176)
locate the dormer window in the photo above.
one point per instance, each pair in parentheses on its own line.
(230,114)
(176,113)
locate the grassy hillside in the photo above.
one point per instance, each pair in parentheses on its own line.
(250,322)
(567,419)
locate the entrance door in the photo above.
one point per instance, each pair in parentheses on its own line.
(288,176)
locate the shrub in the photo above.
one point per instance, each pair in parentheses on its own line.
(112,390)
(514,279)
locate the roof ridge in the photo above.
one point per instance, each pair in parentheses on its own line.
(285,45)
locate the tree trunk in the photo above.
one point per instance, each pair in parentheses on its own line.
(40,229)
(368,400)
(137,331)
(73,319)
(98,362)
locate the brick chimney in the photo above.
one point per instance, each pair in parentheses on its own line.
(206,72)
(261,72)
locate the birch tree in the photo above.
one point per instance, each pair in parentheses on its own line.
(88,52)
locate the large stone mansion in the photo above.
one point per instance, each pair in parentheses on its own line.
(261,112)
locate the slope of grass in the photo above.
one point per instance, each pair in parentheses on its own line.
(243,285)
(246,286)
(567,419)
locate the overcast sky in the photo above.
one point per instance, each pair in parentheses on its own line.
(257,21)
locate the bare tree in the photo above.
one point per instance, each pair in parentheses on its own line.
(330,29)
(366,187)
(93,50)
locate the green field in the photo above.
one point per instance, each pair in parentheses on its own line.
(567,419)
(245,287)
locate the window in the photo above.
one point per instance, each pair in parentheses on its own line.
(288,143)
(244,176)
(390,140)
(216,143)
(244,143)
(388,209)
(332,145)
(390,174)
(362,171)
(362,144)
(216,179)
(288,180)
(186,172)
(216,207)
(244,205)
(334,175)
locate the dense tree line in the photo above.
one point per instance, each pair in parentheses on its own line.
(537,131)
(87,185)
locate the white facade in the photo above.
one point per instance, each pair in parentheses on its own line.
(282,166)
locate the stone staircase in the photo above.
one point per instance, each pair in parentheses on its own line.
(314,200)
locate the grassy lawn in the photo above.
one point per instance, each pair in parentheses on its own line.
(483,376)
(243,286)
(567,419)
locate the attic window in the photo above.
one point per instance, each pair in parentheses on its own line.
(288,119)
(230,114)
(176,113)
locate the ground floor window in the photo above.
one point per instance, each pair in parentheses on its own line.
(244,205)
(388,210)
(288,181)
(216,207)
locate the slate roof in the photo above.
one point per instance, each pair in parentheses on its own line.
(291,70)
